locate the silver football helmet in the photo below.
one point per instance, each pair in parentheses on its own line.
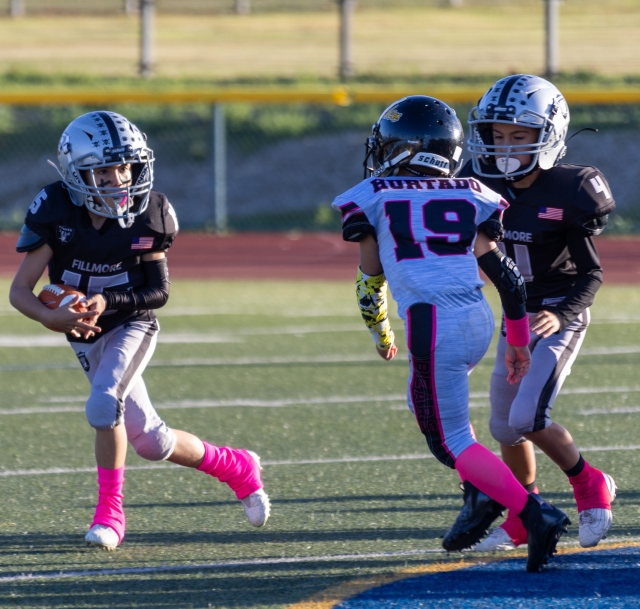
(524,100)
(104,139)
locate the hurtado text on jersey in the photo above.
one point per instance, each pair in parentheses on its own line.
(425,184)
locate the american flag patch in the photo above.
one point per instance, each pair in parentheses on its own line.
(550,213)
(142,243)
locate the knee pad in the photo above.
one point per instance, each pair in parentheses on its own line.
(155,444)
(522,419)
(503,433)
(104,411)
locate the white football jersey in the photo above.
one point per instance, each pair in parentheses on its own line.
(426,228)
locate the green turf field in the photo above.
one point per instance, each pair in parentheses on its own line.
(288,370)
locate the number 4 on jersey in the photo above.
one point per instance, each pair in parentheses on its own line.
(451,223)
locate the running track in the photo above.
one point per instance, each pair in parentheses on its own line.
(306,256)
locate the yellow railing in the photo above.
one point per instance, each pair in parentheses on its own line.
(339,96)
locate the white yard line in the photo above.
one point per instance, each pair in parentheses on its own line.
(287,462)
(238,361)
(215,565)
(257,360)
(629,349)
(187,338)
(268,361)
(478,399)
(284,313)
(214,403)
(310,313)
(217,361)
(624,410)
(54,575)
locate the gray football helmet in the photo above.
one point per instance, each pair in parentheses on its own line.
(524,100)
(103,139)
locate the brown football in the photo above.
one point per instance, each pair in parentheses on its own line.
(59,295)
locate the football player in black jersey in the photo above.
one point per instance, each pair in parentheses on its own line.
(518,132)
(105,232)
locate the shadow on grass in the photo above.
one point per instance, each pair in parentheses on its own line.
(455,497)
(607,574)
(43,543)
(244,586)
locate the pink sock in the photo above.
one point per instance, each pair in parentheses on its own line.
(234,466)
(514,527)
(590,489)
(109,510)
(490,475)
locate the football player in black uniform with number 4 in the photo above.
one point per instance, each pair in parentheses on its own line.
(518,132)
(103,231)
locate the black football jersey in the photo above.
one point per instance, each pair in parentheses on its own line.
(93,260)
(548,230)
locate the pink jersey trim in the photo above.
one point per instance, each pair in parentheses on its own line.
(434,335)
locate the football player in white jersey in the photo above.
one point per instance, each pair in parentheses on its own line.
(105,232)
(425,232)
(518,135)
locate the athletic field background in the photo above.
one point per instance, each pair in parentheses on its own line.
(262,347)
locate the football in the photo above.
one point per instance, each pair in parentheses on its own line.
(58,295)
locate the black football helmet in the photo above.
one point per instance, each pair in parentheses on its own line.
(419,133)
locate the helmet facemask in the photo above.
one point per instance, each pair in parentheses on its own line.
(389,157)
(419,134)
(534,103)
(119,202)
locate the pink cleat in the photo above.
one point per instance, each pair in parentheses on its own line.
(240,470)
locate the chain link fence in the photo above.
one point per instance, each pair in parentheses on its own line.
(208,7)
(300,39)
(284,163)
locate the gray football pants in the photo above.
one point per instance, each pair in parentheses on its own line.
(114,365)
(525,407)
(444,346)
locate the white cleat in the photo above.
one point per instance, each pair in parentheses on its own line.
(102,536)
(497,541)
(257,508)
(594,524)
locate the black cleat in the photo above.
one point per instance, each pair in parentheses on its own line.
(545,524)
(473,521)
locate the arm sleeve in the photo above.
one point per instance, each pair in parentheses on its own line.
(588,281)
(152,295)
(371,291)
(506,277)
